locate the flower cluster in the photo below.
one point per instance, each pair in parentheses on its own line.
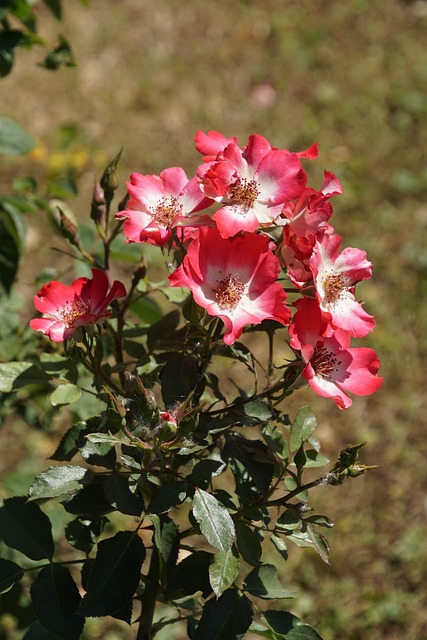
(246,221)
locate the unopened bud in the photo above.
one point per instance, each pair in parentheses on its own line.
(68,229)
(98,206)
(139,272)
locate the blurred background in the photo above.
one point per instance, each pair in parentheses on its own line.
(353,77)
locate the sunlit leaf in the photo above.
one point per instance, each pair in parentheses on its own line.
(214,520)
(223,570)
(56,481)
(263,582)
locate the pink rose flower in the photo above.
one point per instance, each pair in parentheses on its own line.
(332,368)
(234,279)
(83,303)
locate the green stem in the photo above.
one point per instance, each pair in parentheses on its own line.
(149,598)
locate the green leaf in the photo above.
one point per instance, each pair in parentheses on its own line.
(303,632)
(254,456)
(320,543)
(62,54)
(257,409)
(280,545)
(12,237)
(227,618)
(204,470)
(9,40)
(179,378)
(56,599)
(55,7)
(38,632)
(56,481)
(214,520)
(10,574)
(14,140)
(65,394)
(115,574)
(104,438)
(286,626)
(83,534)
(24,527)
(14,375)
(168,496)
(118,493)
(275,440)
(302,428)
(100,454)
(166,539)
(90,502)
(190,575)
(248,543)
(263,582)
(223,570)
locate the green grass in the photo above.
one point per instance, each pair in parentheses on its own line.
(352,76)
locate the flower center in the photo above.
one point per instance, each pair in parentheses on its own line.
(166,211)
(334,284)
(229,291)
(244,192)
(324,362)
(73,310)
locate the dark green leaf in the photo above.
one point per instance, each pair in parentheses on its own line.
(214,520)
(315,459)
(10,573)
(83,534)
(62,54)
(223,570)
(115,574)
(24,526)
(179,378)
(118,493)
(191,575)
(254,456)
(248,543)
(38,632)
(166,539)
(14,375)
(56,481)
(168,496)
(90,502)
(68,446)
(55,600)
(204,470)
(227,618)
(55,7)
(14,140)
(302,428)
(303,632)
(281,622)
(263,582)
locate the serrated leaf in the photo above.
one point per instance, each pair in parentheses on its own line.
(258,409)
(68,446)
(65,394)
(280,545)
(115,575)
(24,527)
(223,570)
(90,502)
(275,440)
(214,520)
(14,140)
(263,582)
(83,534)
(227,618)
(118,493)
(190,575)
(100,454)
(55,599)
(56,481)
(10,574)
(302,428)
(204,470)
(14,375)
